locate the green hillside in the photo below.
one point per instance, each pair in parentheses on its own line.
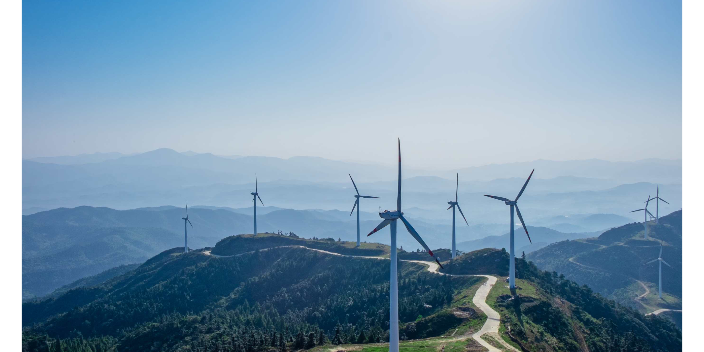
(552,313)
(614,264)
(269,297)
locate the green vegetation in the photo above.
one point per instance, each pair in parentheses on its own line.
(488,261)
(613,263)
(234,245)
(551,313)
(193,301)
(288,298)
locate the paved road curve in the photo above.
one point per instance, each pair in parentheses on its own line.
(493,319)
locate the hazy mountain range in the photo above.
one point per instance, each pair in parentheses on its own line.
(164,176)
(67,244)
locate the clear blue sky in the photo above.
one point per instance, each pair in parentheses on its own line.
(461,82)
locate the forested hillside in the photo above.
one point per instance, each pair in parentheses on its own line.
(613,263)
(269,294)
(241,303)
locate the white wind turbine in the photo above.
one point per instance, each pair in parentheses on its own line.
(453,205)
(657,205)
(255,195)
(661,261)
(185,229)
(646,212)
(356,205)
(390,217)
(514,204)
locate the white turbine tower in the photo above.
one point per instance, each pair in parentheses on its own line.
(453,205)
(646,212)
(185,229)
(390,217)
(514,204)
(657,205)
(255,195)
(661,261)
(356,205)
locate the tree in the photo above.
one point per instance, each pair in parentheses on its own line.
(321,338)
(524,255)
(361,338)
(336,340)
(310,343)
(282,343)
(300,341)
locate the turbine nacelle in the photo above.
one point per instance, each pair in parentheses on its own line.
(254,193)
(452,204)
(390,215)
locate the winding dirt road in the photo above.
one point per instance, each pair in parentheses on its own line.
(493,319)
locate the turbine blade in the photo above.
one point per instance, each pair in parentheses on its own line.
(354,206)
(523,223)
(256,185)
(660,256)
(633,211)
(380,226)
(448,208)
(499,198)
(355,186)
(189,221)
(398,198)
(415,235)
(260,199)
(649,213)
(368,197)
(524,186)
(457,187)
(664,262)
(652,261)
(460,209)
(663,200)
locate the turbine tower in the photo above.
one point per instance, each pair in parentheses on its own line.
(659,259)
(514,204)
(453,205)
(255,195)
(657,205)
(390,218)
(356,205)
(646,212)
(185,230)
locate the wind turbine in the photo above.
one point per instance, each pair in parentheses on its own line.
(255,195)
(356,205)
(646,212)
(452,205)
(657,206)
(659,259)
(514,204)
(390,217)
(185,229)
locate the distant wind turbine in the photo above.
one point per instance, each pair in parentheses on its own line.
(661,261)
(185,229)
(646,212)
(514,204)
(356,205)
(255,195)
(390,217)
(657,205)
(453,205)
